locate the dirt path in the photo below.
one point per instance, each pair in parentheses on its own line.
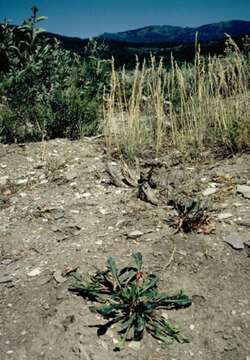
(61,213)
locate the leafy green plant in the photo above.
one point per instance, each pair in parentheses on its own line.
(49,92)
(131,298)
(191,216)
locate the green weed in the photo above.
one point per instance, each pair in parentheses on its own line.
(129,297)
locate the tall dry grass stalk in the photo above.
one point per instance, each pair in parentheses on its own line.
(200,105)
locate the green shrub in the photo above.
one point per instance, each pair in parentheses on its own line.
(48,92)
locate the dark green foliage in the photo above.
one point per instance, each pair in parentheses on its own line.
(46,91)
(131,298)
(191,216)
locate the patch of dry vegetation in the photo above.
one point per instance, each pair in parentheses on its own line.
(196,106)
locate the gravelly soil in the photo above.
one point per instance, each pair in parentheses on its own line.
(60,211)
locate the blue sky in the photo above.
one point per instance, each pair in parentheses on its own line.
(84,18)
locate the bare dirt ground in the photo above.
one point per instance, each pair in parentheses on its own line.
(61,212)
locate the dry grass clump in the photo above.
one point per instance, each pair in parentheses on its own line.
(200,105)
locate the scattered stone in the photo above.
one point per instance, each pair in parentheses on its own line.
(182,252)
(135,234)
(6,261)
(21,181)
(70,176)
(224,216)
(235,241)
(13,200)
(58,277)
(86,195)
(34,272)
(115,341)
(4,180)
(75,211)
(213,184)
(5,279)
(244,190)
(135,345)
(237,204)
(191,327)
(199,254)
(99,242)
(9,352)
(209,191)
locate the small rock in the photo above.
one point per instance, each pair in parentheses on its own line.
(86,195)
(191,327)
(182,252)
(9,352)
(13,200)
(224,216)
(5,279)
(103,211)
(58,277)
(4,180)
(199,254)
(209,191)
(21,181)
(135,234)
(115,341)
(70,176)
(213,184)
(244,190)
(235,241)
(34,272)
(135,345)
(99,242)
(75,211)
(237,204)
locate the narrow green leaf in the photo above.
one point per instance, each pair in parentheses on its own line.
(137,256)
(113,269)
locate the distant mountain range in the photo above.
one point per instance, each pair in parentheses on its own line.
(180,35)
(161,41)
